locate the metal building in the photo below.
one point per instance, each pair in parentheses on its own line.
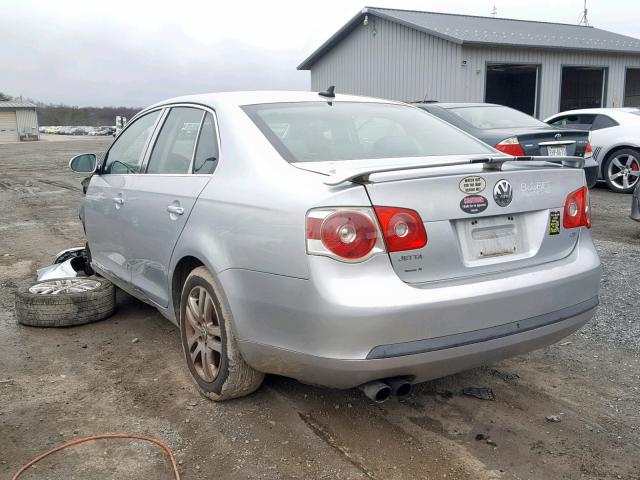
(538,67)
(18,122)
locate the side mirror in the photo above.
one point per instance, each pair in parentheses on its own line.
(84,164)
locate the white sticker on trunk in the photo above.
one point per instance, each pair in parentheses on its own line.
(472,184)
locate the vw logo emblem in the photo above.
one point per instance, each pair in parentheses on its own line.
(558,136)
(503,193)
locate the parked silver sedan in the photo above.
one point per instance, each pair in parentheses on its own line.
(343,241)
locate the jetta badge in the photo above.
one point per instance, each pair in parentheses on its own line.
(503,193)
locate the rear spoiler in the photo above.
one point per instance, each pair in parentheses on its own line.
(489,163)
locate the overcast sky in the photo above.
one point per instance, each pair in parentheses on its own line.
(134,53)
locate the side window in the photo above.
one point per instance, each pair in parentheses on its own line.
(206,158)
(559,122)
(581,122)
(124,155)
(173,150)
(602,121)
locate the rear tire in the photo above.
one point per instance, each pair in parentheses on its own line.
(64,303)
(621,170)
(208,342)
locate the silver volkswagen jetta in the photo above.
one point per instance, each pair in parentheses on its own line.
(339,240)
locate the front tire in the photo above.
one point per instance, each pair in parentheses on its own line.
(208,342)
(621,170)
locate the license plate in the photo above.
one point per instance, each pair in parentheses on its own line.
(489,237)
(557,151)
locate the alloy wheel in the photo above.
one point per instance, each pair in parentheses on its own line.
(66,285)
(624,171)
(204,338)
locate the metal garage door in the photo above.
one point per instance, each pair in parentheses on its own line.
(632,88)
(8,127)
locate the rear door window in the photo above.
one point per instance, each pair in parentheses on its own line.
(206,158)
(174,148)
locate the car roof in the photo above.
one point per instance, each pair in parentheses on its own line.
(241,98)
(459,104)
(620,112)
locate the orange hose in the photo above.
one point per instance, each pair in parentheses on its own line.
(77,441)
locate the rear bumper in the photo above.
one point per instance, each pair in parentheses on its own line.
(421,367)
(348,324)
(591,171)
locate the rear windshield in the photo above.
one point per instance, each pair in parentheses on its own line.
(485,118)
(320,131)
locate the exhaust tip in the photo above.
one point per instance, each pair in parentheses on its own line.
(383,394)
(376,391)
(400,387)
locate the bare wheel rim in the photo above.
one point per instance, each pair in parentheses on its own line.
(204,340)
(66,285)
(624,171)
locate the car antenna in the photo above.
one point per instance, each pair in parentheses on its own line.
(329,92)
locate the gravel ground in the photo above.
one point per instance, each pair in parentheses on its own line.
(57,384)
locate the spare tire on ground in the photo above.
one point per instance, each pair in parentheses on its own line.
(65,302)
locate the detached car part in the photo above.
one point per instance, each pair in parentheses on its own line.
(69,263)
(65,302)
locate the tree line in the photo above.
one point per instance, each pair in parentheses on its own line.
(50,114)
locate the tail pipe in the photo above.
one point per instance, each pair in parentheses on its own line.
(400,387)
(376,391)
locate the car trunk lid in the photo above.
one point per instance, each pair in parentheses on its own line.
(472,227)
(550,141)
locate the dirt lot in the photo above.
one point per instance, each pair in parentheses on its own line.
(57,384)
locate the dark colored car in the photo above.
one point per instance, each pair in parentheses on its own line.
(635,204)
(516,133)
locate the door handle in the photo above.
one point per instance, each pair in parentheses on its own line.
(176,210)
(118,200)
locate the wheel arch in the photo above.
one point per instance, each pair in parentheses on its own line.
(180,273)
(613,149)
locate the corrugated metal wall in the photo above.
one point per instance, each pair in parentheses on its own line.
(384,59)
(388,60)
(27,121)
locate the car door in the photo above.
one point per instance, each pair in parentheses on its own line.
(177,169)
(107,213)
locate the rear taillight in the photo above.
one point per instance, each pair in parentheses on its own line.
(402,228)
(353,234)
(577,209)
(347,234)
(511,146)
(588,151)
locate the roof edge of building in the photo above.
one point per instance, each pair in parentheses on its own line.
(9,104)
(348,27)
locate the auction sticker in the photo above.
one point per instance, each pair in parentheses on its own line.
(554,223)
(474,204)
(472,184)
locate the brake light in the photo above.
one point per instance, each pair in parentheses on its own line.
(402,228)
(347,234)
(511,146)
(577,209)
(588,151)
